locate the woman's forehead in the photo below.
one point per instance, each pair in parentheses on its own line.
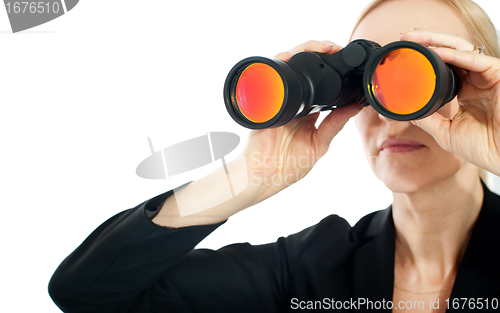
(390,18)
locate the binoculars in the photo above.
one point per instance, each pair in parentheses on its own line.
(402,81)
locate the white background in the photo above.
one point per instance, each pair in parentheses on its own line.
(80,95)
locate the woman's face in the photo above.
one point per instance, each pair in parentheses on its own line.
(404,157)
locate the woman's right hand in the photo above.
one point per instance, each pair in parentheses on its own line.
(272,160)
(278,157)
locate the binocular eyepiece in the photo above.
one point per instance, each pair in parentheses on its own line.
(402,81)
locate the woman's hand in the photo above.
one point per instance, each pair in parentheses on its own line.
(279,157)
(474,132)
(272,159)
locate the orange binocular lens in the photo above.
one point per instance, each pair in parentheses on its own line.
(259,92)
(404,81)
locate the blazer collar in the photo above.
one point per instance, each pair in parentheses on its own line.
(373,262)
(478,275)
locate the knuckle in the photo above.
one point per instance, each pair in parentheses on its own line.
(308,45)
(282,56)
(427,39)
(312,43)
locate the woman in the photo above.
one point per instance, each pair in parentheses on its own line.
(437,241)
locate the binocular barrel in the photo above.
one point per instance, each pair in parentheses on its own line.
(402,81)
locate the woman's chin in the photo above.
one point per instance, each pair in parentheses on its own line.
(415,171)
(408,180)
(399,186)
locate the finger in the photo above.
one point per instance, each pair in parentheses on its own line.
(459,71)
(325,47)
(284,56)
(438,127)
(436,39)
(335,47)
(308,121)
(487,66)
(333,123)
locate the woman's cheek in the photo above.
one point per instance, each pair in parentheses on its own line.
(366,130)
(362,121)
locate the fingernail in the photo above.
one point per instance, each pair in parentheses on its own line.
(401,33)
(328,43)
(413,29)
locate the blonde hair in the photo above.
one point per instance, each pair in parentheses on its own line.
(474,18)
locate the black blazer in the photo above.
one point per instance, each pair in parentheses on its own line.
(129,264)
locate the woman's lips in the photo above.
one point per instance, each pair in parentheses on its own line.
(400,145)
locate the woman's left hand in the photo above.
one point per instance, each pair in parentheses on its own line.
(474,132)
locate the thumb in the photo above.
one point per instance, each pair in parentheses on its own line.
(438,127)
(335,121)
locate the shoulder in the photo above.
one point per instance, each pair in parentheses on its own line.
(334,233)
(489,216)
(332,226)
(491,201)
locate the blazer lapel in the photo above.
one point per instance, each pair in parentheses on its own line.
(373,264)
(478,275)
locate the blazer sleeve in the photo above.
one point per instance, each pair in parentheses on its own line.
(130,264)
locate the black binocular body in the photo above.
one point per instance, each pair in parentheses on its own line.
(402,81)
